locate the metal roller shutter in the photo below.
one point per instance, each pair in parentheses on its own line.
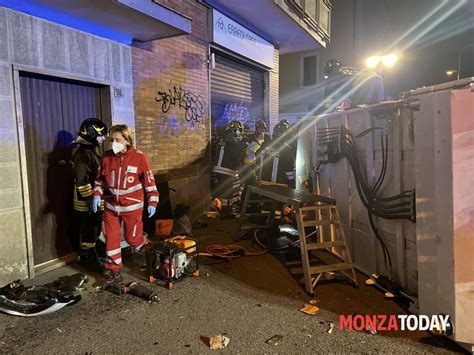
(237,92)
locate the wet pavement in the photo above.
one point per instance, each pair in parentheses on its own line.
(249,300)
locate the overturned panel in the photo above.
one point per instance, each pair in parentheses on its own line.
(335,178)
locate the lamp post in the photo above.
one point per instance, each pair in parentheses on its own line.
(460,56)
(380,61)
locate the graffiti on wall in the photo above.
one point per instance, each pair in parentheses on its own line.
(235,111)
(193,105)
(168,126)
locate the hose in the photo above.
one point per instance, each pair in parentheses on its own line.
(231,251)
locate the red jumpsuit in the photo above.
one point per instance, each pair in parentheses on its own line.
(120,181)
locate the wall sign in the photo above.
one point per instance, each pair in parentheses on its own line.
(229,34)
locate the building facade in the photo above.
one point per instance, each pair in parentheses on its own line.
(188,69)
(429,38)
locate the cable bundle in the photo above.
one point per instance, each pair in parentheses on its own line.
(341,144)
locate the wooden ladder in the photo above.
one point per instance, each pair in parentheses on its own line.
(321,216)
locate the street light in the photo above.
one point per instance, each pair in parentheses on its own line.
(373,61)
(381,61)
(390,60)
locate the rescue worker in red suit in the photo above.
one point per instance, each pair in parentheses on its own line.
(123,176)
(85,224)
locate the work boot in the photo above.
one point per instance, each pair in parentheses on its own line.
(111,278)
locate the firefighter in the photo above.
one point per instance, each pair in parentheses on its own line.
(123,175)
(85,224)
(286,162)
(252,152)
(230,159)
(234,145)
(261,131)
(351,86)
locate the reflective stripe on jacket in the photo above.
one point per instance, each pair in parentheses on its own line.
(251,153)
(122,178)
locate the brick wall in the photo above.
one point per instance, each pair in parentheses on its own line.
(174,137)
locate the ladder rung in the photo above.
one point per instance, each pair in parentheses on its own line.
(320,223)
(325,245)
(323,268)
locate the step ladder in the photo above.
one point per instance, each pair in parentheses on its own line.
(323,217)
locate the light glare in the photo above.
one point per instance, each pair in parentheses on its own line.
(390,60)
(373,61)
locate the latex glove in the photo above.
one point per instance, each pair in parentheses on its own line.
(151,211)
(95,204)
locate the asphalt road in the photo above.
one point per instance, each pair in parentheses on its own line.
(249,300)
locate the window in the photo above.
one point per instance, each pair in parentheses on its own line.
(310,70)
(324,16)
(311,10)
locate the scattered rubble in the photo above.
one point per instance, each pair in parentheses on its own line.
(274,340)
(218,342)
(309,309)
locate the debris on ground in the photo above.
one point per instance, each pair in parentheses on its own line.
(135,289)
(218,342)
(18,300)
(330,327)
(309,309)
(313,302)
(274,340)
(371,331)
(390,289)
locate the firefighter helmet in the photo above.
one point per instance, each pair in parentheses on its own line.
(280,129)
(260,126)
(235,126)
(92,128)
(331,65)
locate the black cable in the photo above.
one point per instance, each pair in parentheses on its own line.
(399,206)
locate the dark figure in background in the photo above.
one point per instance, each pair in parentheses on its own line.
(86,225)
(254,153)
(261,134)
(352,85)
(234,145)
(230,159)
(287,159)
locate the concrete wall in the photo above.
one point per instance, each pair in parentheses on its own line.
(293,96)
(36,45)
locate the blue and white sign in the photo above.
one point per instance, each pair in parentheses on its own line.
(229,34)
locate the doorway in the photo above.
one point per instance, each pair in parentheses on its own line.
(53,110)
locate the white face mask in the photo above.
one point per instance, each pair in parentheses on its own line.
(117,147)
